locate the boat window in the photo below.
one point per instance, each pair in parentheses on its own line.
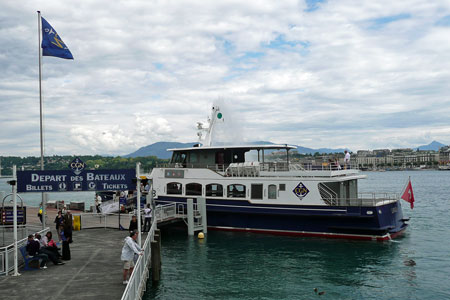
(282,187)
(179,157)
(214,190)
(252,155)
(257,191)
(236,191)
(193,189)
(273,191)
(174,188)
(193,158)
(220,158)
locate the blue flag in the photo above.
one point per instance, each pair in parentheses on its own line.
(52,44)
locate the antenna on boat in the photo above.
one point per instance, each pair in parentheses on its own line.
(216,115)
(200,131)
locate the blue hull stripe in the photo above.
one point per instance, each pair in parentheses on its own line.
(351,220)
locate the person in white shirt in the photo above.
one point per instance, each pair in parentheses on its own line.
(98,202)
(130,248)
(347,159)
(147,218)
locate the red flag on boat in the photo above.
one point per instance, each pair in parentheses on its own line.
(408,194)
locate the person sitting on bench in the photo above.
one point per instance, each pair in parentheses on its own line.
(48,243)
(33,250)
(51,255)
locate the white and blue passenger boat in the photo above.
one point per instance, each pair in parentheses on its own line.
(247,191)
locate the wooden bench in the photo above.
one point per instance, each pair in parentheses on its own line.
(27,259)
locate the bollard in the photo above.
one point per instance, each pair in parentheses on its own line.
(156,261)
(76,223)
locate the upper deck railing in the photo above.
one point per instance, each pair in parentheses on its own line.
(254,169)
(368,199)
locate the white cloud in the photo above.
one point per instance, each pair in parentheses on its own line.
(343,75)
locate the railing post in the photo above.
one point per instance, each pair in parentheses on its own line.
(190,213)
(201,201)
(155,260)
(6,261)
(158,239)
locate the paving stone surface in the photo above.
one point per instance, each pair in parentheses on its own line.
(94,272)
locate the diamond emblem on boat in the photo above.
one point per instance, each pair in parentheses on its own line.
(301,191)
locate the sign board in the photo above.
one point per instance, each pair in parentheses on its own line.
(74,180)
(174,173)
(7,216)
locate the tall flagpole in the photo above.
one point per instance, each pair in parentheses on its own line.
(41,108)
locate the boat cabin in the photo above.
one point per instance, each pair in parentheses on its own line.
(223,156)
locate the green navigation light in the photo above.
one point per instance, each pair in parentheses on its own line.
(219,116)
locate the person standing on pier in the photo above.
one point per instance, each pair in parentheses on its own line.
(98,202)
(130,248)
(347,159)
(147,218)
(65,246)
(133,223)
(40,212)
(68,226)
(59,219)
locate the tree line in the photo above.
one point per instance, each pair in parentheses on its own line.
(61,162)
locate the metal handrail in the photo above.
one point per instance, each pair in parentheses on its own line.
(136,283)
(7,250)
(369,199)
(331,195)
(242,170)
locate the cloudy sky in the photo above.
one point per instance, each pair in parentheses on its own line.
(338,74)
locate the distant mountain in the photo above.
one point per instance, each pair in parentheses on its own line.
(434,145)
(159,149)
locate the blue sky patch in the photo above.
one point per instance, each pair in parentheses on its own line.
(381,22)
(249,57)
(313,5)
(280,43)
(159,66)
(445,21)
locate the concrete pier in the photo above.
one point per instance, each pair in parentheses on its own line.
(94,272)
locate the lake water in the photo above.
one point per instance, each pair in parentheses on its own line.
(34,199)
(251,266)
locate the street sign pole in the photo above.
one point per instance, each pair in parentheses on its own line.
(138,189)
(16,269)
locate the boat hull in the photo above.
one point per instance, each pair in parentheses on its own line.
(381,222)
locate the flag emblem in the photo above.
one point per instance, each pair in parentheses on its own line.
(52,44)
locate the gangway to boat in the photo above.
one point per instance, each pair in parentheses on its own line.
(169,213)
(192,214)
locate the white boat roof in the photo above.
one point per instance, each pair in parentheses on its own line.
(271,146)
